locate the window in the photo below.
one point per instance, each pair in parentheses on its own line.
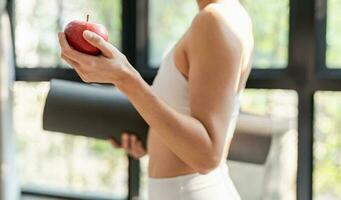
(58,161)
(38,21)
(327,147)
(170,19)
(276,93)
(333,34)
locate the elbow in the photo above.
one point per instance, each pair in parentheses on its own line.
(208,165)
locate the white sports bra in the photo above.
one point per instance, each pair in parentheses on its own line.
(170,85)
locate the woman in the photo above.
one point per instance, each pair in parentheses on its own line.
(191,107)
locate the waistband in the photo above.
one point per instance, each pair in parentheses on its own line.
(217,173)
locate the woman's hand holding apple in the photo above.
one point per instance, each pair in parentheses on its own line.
(109,67)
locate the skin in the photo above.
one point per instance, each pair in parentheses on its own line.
(187,143)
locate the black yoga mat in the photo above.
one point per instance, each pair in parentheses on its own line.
(103,112)
(95,111)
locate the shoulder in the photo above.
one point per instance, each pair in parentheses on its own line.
(211,31)
(207,19)
(218,23)
(221,27)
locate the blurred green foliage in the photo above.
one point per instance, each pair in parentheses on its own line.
(41,20)
(327,146)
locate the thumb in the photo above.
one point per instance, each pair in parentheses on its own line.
(97,41)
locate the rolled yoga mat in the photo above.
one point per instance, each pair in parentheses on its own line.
(95,111)
(103,112)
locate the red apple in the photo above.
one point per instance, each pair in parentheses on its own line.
(74,35)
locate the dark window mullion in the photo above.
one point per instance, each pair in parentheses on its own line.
(142,25)
(321,35)
(46,74)
(302,63)
(305,144)
(135,32)
(132,45)
(271,79)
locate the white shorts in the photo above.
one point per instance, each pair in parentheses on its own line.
(216,185)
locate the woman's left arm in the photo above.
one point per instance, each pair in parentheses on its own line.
(196,139)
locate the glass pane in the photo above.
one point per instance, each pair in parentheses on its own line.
(170,19)
(278,175)
(276,179)
(58,161)
(333,34)
(271,30)
(38,21)
(327,146)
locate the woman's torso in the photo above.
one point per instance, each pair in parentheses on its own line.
(173,89)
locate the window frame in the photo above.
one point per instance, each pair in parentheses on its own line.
(306,73)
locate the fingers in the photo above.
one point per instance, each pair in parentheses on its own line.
(132,145)
(94,39)
(125,141)
(114,143)
(69,52)
(138,148)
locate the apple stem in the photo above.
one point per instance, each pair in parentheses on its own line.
(87,17)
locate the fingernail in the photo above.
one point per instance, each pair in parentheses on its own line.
(88,34)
